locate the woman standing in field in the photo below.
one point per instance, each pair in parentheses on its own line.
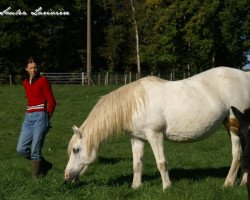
(40,107)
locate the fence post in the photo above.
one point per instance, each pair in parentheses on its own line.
(82,78)
(125,79)
(10,78)
(99,79)
(107,78)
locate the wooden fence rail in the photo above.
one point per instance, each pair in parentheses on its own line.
(96,79)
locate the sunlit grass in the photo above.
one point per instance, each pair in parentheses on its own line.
(197,170)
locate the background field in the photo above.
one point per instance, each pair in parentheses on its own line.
(197,170)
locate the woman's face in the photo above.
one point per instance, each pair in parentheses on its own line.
(32,69)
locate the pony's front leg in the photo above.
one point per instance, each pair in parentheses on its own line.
(137,150)
(236,161)
(156,140)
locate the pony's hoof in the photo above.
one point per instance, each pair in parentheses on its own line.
(228,184)
(136,186)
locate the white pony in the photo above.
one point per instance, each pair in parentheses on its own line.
(152,109)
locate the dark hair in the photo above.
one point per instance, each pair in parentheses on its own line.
(30,60)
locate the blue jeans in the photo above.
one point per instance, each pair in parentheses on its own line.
(34,129)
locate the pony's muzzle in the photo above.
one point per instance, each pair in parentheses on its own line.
(68,176)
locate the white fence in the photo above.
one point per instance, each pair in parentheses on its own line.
(101,78)
(66,78)
(78,78)
(96,79)
(6,80)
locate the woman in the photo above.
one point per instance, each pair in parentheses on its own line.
(40,107)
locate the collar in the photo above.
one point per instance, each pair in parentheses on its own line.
(37,76)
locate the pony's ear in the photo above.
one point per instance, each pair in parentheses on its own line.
(76,130)
(238,114)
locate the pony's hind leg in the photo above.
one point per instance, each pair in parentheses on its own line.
(156,140)
(244,179)
(137,150)
(236,160)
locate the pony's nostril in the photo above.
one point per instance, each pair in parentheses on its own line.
(66,176)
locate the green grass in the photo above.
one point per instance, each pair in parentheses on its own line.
(197,170)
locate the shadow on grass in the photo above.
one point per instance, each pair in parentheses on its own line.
(176,174)
(112,161)
(73,185)
(198,173)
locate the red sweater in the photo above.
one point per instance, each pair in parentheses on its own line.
(39,95)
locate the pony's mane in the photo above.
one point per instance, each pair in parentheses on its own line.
(248,73)
(112,114)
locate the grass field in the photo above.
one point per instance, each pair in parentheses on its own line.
(197,170)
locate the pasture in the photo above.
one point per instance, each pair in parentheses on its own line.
(197,170)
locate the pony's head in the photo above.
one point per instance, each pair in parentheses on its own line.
(79,157)
(244,134)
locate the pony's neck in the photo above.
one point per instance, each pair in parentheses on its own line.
(112,114)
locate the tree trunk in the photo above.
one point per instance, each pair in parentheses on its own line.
(89,41)
(137,42)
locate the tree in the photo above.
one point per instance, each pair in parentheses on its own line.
(235,31)
(137,40)
(190,35)
(52,40)
(89,65)
(183,37)
(119,46)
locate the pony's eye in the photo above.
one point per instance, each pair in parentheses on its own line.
(75,150)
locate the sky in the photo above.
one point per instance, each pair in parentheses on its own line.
(247,66)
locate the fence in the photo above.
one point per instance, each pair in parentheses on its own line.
(66,78)
(96,79)
(102,78)
(6,80)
